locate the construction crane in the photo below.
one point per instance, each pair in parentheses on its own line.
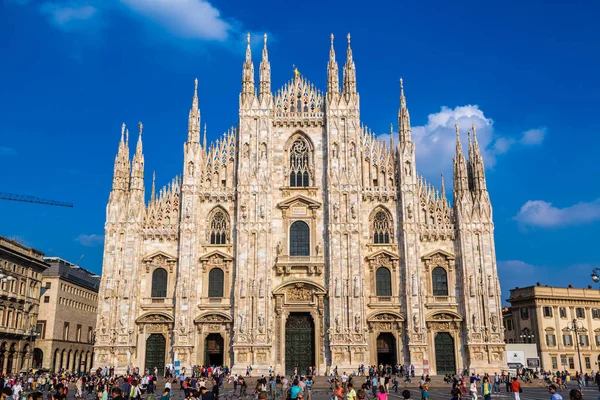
(32,199)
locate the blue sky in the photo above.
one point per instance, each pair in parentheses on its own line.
(526,73)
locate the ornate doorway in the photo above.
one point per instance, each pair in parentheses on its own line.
(155,352)
(299,342)
(445,362)
(214,349)
(386,349)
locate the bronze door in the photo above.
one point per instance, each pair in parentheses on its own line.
(299,343)
(445,362)
(155,352)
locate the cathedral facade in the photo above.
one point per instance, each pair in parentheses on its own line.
(297,239)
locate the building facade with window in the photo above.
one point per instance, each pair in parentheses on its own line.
(68,313)
(299,238)
(544,315)
(21,269)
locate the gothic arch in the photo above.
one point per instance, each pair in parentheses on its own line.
(381,224)
(154,317)
(218,226)
(299,156)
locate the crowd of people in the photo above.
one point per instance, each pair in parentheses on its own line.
(207,383)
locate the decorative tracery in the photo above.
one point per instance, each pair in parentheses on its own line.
(219,228)
(299,163)
(381,227)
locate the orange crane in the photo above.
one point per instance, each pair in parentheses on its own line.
(32,199)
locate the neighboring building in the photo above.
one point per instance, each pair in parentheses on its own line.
(544,315)
(21,271)
(68,315)
(299,238)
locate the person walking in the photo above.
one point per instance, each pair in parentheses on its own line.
(553,395)
(473,389)
(516,388)
(486,389)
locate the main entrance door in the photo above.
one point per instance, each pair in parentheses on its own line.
(445,362)
(155,352)
(386,349)
(214,350)
(299,342)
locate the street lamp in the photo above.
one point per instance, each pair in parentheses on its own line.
(527,336)
(576,326)
(595,276)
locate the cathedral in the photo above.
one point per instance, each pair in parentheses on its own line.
(298,238)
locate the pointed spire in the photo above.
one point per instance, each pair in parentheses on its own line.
(204,138)
(152,193)
(194,117)
(461,177)
(391,137)
(403,118)
(265,72)
(248,72)
(333,74)
(443,188)
(477,168)
(349,71)
(137,167)
(122,167)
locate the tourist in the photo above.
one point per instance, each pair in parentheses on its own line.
(575,394)
(553,395)
(406,394)
(338,392)
(455,394)
(295,390)
(243,388)
(486,389)
(473,389)
(425,391)
(309,385)
(115,394)
(382,395)
(516,388)
(351,395)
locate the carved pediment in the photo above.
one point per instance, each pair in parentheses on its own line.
(382,258)
(216,257)
(299,201)
(159,258)
(438,258)
(549,329)
(301,286)
(213,318)
(155,319)
(385,316)
(443,316)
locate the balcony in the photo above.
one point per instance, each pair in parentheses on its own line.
(384,301)
(157,303)
(311,265)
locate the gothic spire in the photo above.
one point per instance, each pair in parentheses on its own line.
(248,72)
(461,178)
(476,164)
(443,188)
(204,138)
(333,75)
(153,192)
(349,71)
(194,118)
(122,167)
(403,117)
(265,72)
(137,168)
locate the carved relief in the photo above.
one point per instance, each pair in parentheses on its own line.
(299,293)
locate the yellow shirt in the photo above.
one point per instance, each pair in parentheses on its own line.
(351,394)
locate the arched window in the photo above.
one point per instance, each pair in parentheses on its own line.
(440,281)
(299,239)
(383,282)
(219,228)
(299,165)
(216,281)
(159,283)
(382,227)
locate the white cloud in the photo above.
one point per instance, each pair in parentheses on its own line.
(435,142)
(195,19)
(533,136)
(539,213)
(68,15)
(92,240)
